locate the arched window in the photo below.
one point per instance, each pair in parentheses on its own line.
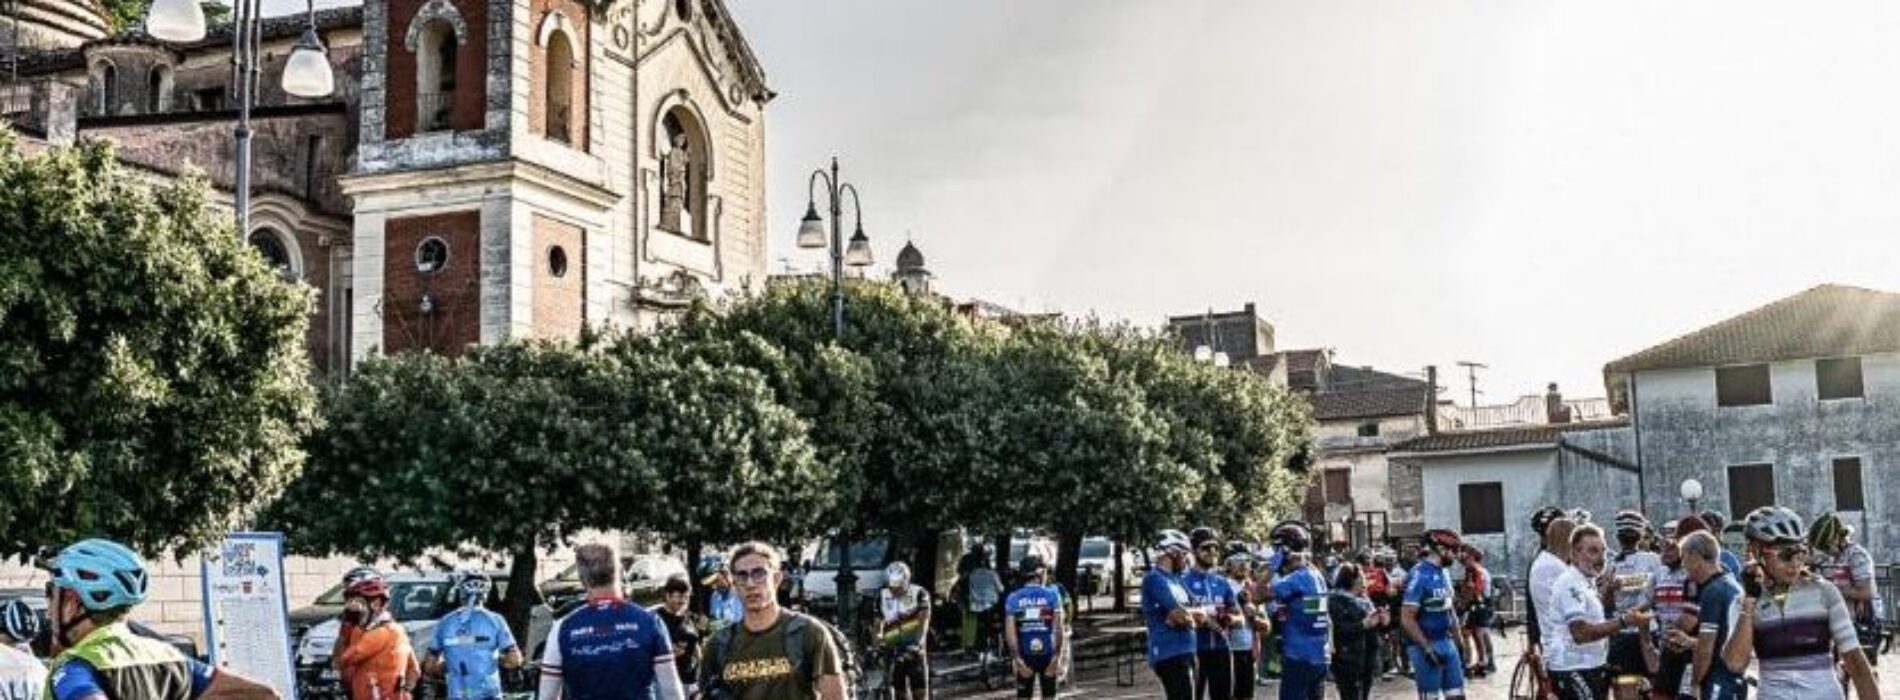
(277,251)
(684,160)
(158,90)
(106,88)
(560,88)
(435,75)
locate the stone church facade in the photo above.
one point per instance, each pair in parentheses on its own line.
(486,170)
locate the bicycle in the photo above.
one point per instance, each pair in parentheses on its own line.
(1528,681)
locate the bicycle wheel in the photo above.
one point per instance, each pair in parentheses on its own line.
(1523,681)
(994,668)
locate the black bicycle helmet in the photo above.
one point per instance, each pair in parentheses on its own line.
(1541,520)
(1203,535)
(1291,536)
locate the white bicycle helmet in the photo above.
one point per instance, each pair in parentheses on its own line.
(1774,525)
(1172,540)
(897,575)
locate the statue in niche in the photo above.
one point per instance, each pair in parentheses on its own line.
(676,168)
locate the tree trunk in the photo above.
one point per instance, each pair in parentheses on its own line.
(1002,563)
(702,596)
(1120,585)
(1068,559)
(924,569)
(523,596)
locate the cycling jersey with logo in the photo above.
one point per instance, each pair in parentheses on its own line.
(903,607)
(1034,608)
(1431,594)
(1210,591)
(1636,574)
(1307,627)
(22,677)
(471,640)
(1161,593)
(112,662)
(608,650)
(1719,603)
(1240,638)
(1852,567)
(1573,598)
(1796,638)
(1675,597)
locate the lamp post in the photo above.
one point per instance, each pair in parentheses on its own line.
(812,234)
(1691,491)
(1210,351)
(306,73)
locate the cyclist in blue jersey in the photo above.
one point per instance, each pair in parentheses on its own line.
(95,584)
(1301,592)
(723,605)
(1034,627)
(1718,604)
(1250,623)
(471,645)
(608,648)
(1210,591)
(1428,620)
(1170,617)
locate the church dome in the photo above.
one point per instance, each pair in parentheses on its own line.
(54,24)
(910,258)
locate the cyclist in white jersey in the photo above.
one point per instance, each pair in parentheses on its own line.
(1850,567)
(22,676)
(1634,573)
(1793,623)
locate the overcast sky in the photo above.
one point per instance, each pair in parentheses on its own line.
(1540,186)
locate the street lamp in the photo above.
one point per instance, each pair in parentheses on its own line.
(1206,353)
(1692,492)
(306,73)
(813,234)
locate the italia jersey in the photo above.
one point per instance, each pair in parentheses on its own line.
(1431,594)
(608,649)
(1034,608)
(1303,595)
(1161,593)
(1210,591)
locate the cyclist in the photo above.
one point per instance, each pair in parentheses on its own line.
(903,629)
(470,646)
(608,648)
(22,676)
(1302,594)
(1170,616)
(95,584)
(1718,604)
(1676,611)
(379,661)
(1428,620)
(1035,628)
(1730,562)
(1209,590)
(1241,637)
(1851,569)
(1634,573)
(1578,648)
(1480,596)
(346,632)
(1793,623)
(683,627)
(1385,586)
(723,605)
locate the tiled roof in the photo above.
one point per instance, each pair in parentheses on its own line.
(1380,403)
(1826,321)
(1348,378)
(1501,437)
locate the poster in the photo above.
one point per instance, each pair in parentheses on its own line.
(247,614)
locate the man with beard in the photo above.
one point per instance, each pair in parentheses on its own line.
(1577,653)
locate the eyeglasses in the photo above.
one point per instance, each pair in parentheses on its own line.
(756,576)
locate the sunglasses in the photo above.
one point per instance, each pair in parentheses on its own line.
(756,576)
(1790,554)
(1210,548)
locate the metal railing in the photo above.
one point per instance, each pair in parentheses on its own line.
(17,98)
(432,110)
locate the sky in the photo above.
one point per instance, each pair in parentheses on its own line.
(1542,187)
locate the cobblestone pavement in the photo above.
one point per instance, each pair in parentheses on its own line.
(1101,684)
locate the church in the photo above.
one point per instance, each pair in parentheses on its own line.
(485,169)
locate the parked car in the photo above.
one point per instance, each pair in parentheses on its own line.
(417,600)
(1097,566)
(36,599)
(642,575)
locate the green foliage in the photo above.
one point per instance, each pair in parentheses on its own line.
(125,14)
(153,374)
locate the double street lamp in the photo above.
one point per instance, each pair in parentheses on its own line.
(813,234)
(306,73)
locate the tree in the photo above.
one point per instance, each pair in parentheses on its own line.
(508,450)
(148,359)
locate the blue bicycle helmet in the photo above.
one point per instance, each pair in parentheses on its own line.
(104,574)
(473,588)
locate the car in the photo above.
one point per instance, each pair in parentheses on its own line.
(36,600)
(642,576)
(417,600)
(1096,566)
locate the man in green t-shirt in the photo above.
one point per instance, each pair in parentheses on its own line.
(774,653)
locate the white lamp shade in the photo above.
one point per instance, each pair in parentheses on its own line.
(811,232)
(858,253)
(1221,360)
(178,21)
(307,73)
(1691,490)
(1203,353)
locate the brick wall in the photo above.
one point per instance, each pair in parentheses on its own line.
(456,322)
(471,70)
(560,303)
(577,21)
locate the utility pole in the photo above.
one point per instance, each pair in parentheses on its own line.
(1471,372)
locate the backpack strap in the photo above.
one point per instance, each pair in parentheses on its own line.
(795,648)
(713,672)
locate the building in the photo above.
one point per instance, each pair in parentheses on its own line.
(1796,403)
(1486,483)
(1532,409)
(485,170)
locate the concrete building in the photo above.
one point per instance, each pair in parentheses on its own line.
(486,170)
(1795,403)
(1486,483)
